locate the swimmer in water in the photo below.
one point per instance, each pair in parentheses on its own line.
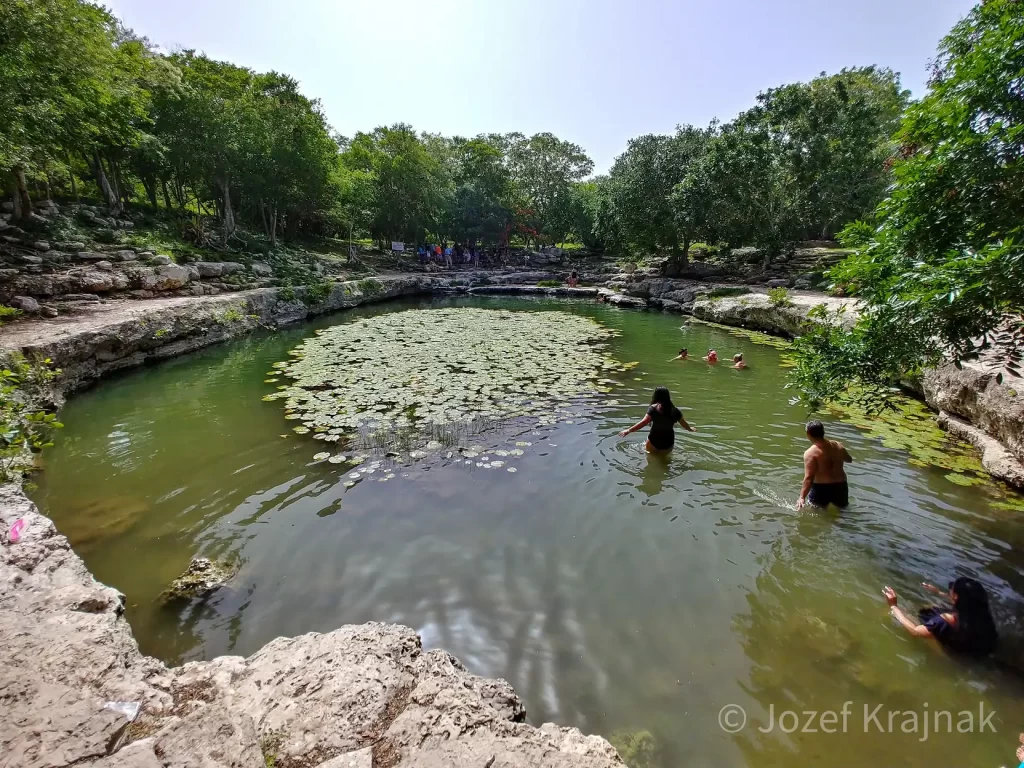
(967,627)
(711,357)
(683,355)
(662,416)
(824,475)
(738,362)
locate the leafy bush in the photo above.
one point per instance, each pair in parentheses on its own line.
(25,427)
(8,313)
(779,297)
(318,293)
(548,283)
(727,290)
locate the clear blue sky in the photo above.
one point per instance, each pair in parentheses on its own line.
(597,72)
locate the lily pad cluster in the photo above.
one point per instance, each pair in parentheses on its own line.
(441,373)
(911,427)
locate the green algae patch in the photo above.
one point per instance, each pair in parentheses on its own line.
(638,749)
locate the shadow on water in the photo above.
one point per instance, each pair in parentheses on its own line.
(623,593)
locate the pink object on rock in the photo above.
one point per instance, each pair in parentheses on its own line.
(15,533)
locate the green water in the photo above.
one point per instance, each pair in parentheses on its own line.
(616,593)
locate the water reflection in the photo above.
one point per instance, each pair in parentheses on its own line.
(616,590)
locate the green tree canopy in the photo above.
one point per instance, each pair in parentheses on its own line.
(942,273)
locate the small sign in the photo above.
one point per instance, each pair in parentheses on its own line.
(397,246)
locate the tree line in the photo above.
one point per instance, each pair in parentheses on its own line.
(88,106)
(939,264)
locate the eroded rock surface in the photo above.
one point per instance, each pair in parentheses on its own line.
(975,395)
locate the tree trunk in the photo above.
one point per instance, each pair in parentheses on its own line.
(229,215)
(273,225)
(264,219)
(685,257)
(167,197)
(150,186)
(71,175)
(22,201)
(119,186)
(104,184)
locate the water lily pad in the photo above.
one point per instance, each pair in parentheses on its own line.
(321,456)
(422,371)
(512,469)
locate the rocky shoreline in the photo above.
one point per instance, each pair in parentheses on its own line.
(361,695)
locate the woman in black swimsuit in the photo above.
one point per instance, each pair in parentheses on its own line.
(662,416)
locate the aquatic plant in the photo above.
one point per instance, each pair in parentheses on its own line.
(638,749)
(440,374)
(909,426)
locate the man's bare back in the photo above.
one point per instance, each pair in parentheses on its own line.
(824,476)
(824,461)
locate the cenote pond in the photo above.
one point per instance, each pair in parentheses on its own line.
(628,596)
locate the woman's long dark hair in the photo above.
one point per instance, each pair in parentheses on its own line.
(662,396)
(975,631)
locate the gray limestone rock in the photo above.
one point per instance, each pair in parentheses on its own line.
(170,277)
(26,304)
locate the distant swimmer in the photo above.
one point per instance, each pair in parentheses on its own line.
(824,475)
(738,362)
(662,416)
(683,355)
(711,357)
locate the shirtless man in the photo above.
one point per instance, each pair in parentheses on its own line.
(824,476)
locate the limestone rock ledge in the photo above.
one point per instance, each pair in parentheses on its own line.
(359,696)
(755,311)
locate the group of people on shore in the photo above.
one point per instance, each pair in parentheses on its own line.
(432,255)
(965,626)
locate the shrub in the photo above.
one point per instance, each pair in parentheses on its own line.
(25,426)
(548,283)
(779,297)
(318,293)
(727,290)
(8,313)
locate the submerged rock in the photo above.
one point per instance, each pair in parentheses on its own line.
(202,577)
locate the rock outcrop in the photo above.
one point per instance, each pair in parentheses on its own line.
(76,690)
(975,395)
(757,311)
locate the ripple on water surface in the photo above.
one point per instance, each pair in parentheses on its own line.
(630,595)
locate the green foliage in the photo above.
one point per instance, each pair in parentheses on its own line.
(25,426)
(8,313)
(286,293)
(548,283)
(638,749)
(943,275)
(370,287)
(727,290)
(230,315)
(779,297)
(317,293)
